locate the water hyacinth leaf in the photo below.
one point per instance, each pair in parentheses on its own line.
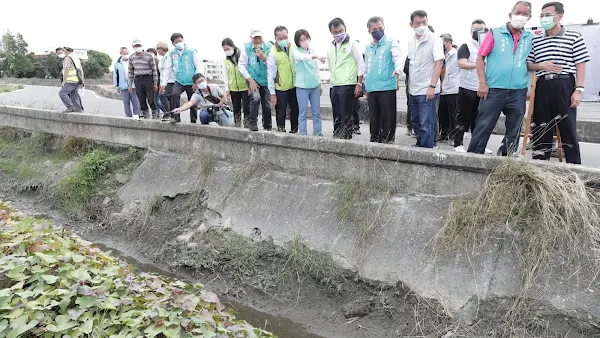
(49,279)
(74,314)
(3,325)
(17,272)
(86,301)
(19,330)
(46,258)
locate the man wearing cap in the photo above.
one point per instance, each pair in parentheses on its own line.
(182,63)
(120,82)
(162,48)
(142,72)
(72,79)
(253,67)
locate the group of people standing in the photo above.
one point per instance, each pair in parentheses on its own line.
(463,89)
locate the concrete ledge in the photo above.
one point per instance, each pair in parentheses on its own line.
(324,158)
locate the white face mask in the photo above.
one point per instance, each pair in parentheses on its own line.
(138,49)
(305,44)
(518,21)
(229,52)
(62,56)
(421,30)
(124,57)
(179,45)
(202,85)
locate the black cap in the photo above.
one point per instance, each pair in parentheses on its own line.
(68,49)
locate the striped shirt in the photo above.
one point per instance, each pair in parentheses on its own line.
(567,49)
(142,65)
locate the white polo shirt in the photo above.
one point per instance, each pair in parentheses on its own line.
(423,53)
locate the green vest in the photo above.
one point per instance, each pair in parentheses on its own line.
(237,83)
(286,70)
(342,65)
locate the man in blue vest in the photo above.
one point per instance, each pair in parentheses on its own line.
(502,71)
(384,64)
(253,67)
(185,63)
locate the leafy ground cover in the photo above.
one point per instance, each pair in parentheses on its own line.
(54,284)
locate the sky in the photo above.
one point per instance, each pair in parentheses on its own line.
(114,23)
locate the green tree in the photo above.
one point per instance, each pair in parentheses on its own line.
(102,58)
(47,66)
(16,61)
(97,64)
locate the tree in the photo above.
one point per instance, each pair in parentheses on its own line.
(15,59)
(47,66)
(97,64)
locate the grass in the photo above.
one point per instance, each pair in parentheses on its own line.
(10,88)
(545,214)
(363,206)
(208,163)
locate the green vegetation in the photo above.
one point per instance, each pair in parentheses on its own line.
(543,213)
(53,284)
(38,161)
(208,162)
(363,206)
(9,88)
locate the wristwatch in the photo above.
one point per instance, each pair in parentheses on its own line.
(432,86)
(580,89)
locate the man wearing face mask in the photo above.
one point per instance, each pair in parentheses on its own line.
(162,48)
(253,67)
(502,71)
(120,82)
(558,57)
(450,83)
(142,72)
(426,55)
(384,64)
(60,52)
(467,101)
(184,63)
(281,70)
(347,68)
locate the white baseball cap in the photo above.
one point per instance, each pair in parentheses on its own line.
(137,42)
(256,32)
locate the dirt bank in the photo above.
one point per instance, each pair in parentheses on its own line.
(76,182)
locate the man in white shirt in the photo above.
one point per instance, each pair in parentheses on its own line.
(347,67)
(162,48)
(426,54)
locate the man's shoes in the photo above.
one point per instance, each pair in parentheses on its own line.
(460,149)
(174,118)
(409,132)
(253,126)
(166,117)
(269,128)
(293,131)
(443,137)
(281,129)
(69,110)
(357,131)
(155,114)
(136,117)
(487,151)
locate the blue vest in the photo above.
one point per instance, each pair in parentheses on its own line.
(506,69)
(380,66)
(183,65)
(307,72)
(256,67)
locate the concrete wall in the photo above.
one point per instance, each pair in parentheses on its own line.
(298,196)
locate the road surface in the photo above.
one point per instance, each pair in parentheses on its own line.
(47,98)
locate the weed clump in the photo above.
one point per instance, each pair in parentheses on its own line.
(207,164)
(546,213)
(363,205)
(74,146)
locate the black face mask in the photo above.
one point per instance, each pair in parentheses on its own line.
(475,34)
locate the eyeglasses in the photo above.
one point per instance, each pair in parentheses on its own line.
(547,15)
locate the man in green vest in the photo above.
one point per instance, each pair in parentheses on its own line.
(281,75)
(253,66)
(184,63)
(347,68)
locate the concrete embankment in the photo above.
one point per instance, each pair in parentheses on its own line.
(281,185)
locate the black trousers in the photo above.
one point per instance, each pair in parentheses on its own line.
(355,114)
(179,89)
(408,121)
(467,105)
(261,98)
(342,104)
(382,110)
(144,88)
(285,98)
(165,99)
(447,113)
(239,100)
(552,105)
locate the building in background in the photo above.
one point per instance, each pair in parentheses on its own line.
(213,70)
(81,53)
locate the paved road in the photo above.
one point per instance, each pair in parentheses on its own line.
(47,98)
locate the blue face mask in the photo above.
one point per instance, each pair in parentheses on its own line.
(377,35)
(283,43)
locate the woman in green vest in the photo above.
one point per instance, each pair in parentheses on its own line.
(236,86)
(308,84)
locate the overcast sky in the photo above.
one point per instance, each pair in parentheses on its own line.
(107,25)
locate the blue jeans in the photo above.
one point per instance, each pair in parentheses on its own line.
(223,118)
(423,115)
(130,100)
(512,103)
(314,96)
(159,103)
